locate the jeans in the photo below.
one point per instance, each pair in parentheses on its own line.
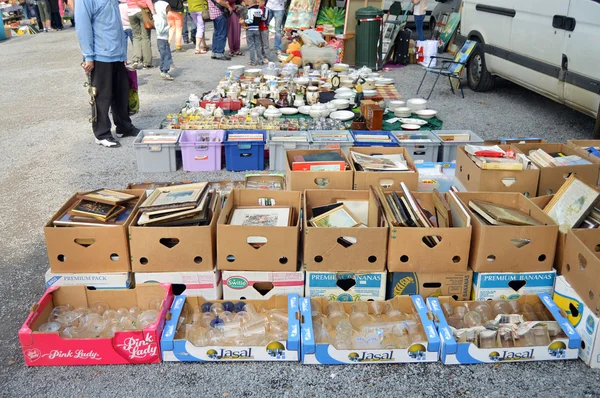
(278,16)
(165,55)
(254,45)
(219,35)
(419,22)
(142,51)
(128,35)
(188,20)
(264,41)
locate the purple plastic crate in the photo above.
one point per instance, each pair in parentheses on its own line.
(201,149)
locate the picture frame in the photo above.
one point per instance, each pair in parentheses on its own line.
(176,196)
(96,210)
(107,196)
(148,218)
(572,203)
(261,216)
(340,217)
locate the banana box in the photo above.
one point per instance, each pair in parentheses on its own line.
(425,284)
(176,348)
(583,320)
(423,350)
(511,285)
(453,352)
(346,286)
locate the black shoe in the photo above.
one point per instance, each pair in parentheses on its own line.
(222,57)
(108,142)
(131,133)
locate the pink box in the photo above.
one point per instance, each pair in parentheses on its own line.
(201,149)
(130,347)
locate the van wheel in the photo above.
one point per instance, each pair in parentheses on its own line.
(478,77)
(432,28)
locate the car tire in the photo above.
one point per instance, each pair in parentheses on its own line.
(432,28)
(478,77)
(597,126)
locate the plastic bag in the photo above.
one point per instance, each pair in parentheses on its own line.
(425,50)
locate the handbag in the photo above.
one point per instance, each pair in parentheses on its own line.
(147,18)
(205,15)
(134,99)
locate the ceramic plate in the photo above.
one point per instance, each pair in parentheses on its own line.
(384,81)
(305,110)
(289,111)
(342,115)
(411,121)
(410,127)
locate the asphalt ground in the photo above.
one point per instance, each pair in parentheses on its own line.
(48,152)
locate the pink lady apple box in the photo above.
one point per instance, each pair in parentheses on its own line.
(127,347)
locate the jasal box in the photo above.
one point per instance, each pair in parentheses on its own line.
(511,285)
(510,248)
(176,348)
(301,180)
(455,284)
(585,322)
(425,350)
(199,283)
(453,352)
(387,180)
(261,285)
(278,248)
(346,286)
(174,249)
(344,249)
(90,249)
(476,179)
(126,347)
(111,280)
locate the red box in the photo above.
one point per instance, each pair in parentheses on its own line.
(232,105)
(128,347)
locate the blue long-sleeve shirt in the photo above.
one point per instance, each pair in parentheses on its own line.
(100,31)
(253,18)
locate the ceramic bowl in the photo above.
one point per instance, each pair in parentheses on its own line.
(272,113)
(416,104)
(369,84)
(253,72)
(288,111)
(410,127)
(369,93)
(426,114)
(345,96)
(236,70)
(395,104)
(305,110)
(343,90)
(342,115)
(340,103)
(340,67)
(402,112)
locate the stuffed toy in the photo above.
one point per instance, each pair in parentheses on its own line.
(295,56)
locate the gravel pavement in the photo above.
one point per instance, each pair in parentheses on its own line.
(47,153)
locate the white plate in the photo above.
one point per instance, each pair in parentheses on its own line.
(288,111)
(340,103)
(305,110)
(426,113)
(410,127)
(344,96)
(411,121)
(342,115)
(384,81)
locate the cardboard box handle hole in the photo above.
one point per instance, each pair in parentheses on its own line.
(143,261)
(114,257)
(542,258)
(404,258)
(597,248)
(372,259)
(318,259)
(198,260)
(283,260)
(231,258)
(582,261)
(61,258)
(456,259)
(491,258)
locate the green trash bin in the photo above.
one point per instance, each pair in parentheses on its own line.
(368,31)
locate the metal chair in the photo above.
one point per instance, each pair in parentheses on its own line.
(450,68)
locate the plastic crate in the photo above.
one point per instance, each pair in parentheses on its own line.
(277,158)
(244,155)
(448,152)
(344,144)
(201,149)
(394,141)
(156,157)
(420,151)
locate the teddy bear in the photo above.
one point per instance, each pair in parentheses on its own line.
(295,56)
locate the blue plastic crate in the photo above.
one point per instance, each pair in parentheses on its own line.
(244,155)
(394,141)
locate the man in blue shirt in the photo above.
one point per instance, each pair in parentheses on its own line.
(103,45)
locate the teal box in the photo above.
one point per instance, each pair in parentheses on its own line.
(511,285)
(346,286)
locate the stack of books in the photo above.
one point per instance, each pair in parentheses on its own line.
(179,205)
(332,136)
(395,162)
(496,158)
(159,139)
(375,138)
(324,161)
(495,214)
(556,159)
(102,207)
(245,137)
(409,138)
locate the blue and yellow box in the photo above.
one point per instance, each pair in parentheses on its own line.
(435,284)
(511,285)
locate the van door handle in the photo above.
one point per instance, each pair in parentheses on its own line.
(563,22)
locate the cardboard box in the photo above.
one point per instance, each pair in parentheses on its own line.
(325,251)
(579,147)
(174,249)
(204,283)
(108,252)
(456,284)
(113,280)
(175,348)
(346,286)
(552,178)
(581,265)
(511,286)
(327,354)
(128,347)
(585,322)
(388,180)
(301,180)
(453,352)
(279,253)
(408,252)
(257,285)
(475,179)
(511,248)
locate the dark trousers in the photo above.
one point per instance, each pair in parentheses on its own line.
(165,55)
(112,85)
(219,35)
(38,18)
(56,21)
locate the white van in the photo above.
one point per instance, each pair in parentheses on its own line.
(549,46)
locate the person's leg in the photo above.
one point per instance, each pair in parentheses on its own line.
(136,27)
(278,16)
(102,80)
(199,22)
(146,47)
(251,36)
(191,23)
(419,22)
(219,36)
(120,100)
(179,18)
(38,17)
(237,33)
(171,22)
(185,31)
(264,41)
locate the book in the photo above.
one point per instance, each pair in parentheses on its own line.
(571,160)
(416,138)
(572,203)
(443,216)
(497,214)
(485,151)
(323,157)
(541,158)
(324,161)
(486,163)
(379,162)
